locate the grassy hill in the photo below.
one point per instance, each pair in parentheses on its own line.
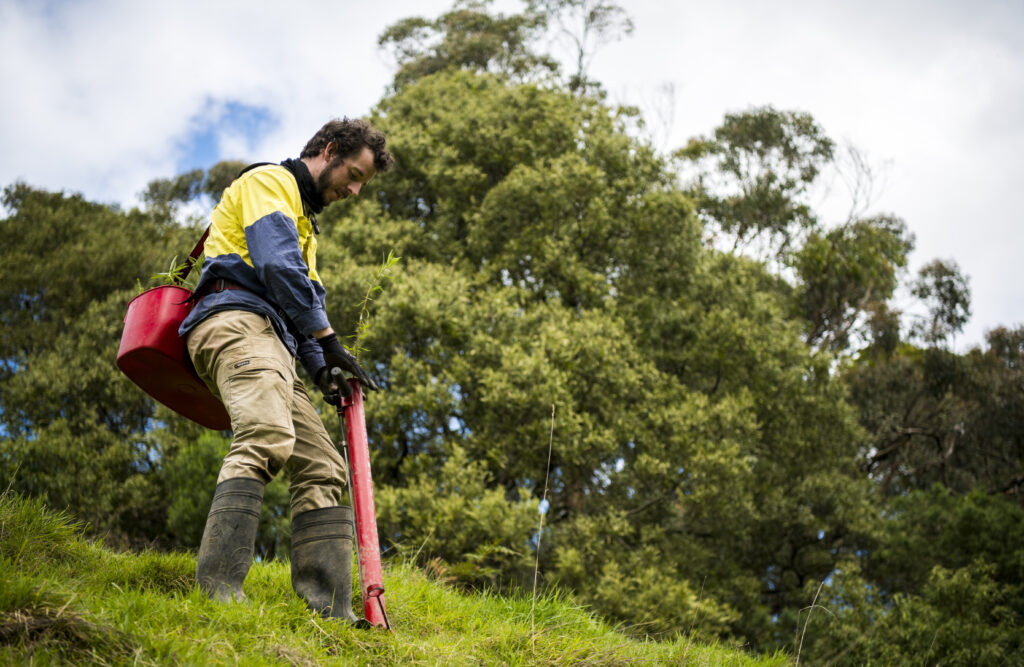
(65,599)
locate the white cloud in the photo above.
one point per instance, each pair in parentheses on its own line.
(933,91)
(106,90)
(100,94)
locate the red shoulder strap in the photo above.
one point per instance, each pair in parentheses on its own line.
(193,256)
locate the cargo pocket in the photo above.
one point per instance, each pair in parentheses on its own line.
(257,394)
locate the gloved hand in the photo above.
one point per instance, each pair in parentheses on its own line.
(330,389)
(336,356)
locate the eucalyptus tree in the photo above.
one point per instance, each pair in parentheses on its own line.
(467,36)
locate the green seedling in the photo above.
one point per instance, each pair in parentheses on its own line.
(373,286)
(179,274)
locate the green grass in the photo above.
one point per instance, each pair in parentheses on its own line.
(67,600)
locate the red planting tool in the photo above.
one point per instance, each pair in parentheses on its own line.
(357,455)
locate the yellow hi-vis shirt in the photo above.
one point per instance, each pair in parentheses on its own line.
(262,239)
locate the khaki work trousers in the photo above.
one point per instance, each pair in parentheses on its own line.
(243,362)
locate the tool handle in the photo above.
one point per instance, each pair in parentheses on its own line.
(344,389)
(368,547)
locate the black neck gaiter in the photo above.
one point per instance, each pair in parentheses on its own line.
(307,186)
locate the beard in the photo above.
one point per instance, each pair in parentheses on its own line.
(323,183)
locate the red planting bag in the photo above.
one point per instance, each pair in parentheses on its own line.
(154,357)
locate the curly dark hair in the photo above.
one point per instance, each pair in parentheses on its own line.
(350,136)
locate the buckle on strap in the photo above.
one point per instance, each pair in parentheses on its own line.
(217,285)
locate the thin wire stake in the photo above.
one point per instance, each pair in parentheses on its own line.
(806,621)
(540,529)
(387,623)
(344,453)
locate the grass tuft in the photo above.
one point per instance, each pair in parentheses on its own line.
(30,534)
(64,599)
(36,619)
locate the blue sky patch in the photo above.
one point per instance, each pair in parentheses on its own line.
(201,147)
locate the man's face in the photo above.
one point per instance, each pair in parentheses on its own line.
(345,177)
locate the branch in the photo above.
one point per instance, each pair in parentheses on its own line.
(898,440)
(649,503)
(1012,486)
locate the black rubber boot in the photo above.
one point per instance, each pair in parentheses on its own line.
(322,560)
(226,551)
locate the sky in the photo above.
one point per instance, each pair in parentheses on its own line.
(103,96)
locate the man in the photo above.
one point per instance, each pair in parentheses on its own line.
(260,304)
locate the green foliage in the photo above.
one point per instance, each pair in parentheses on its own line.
(946,293)
(219,177)
(168,193)
(76,429)
(62,253)
(468,532)
(753,173)
(962,617)
(469,178)
(636,586)
(942,581)
(184,274)
(192,479)
(935,416)
(166,196)
(373,286)
(935,528)
(468,37)
(846,272)
(945,586)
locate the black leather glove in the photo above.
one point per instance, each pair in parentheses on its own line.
(336,356)
(331,390)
